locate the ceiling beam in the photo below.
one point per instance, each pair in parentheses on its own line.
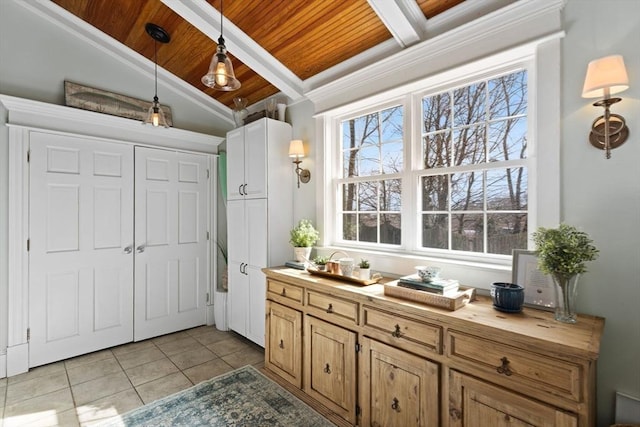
(206,18)
(401,19)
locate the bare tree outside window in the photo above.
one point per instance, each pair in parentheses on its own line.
(372,147)
(474,187)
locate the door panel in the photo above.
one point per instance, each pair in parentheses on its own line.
(81,228)
(171,245)
(255,159)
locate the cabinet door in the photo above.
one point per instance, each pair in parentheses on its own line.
(235,164)
(256,232)
(330,366)
(238,297)
(283,352)
(255,305)
(397,388)
(477,403)
(255,163)
(238,244)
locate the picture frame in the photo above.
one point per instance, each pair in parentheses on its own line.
(538,286)
(115,104)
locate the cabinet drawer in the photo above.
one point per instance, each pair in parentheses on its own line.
(509,365)
(404,332)
(284,293)
(333,308)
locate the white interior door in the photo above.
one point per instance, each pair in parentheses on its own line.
(81,237)
(171,259)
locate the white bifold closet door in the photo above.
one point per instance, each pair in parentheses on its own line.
(95,281)
(81,243)
(171,249)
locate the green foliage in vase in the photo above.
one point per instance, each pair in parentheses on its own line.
(304,235)
(364,263)
(563,251)
(321,260)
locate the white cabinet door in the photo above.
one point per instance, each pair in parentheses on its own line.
(171,260)
(81,237)
(255,150)
(256,232)
(256,305)
(238,297)
(235,164)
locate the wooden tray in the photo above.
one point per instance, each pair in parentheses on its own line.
(449,302)
(340,277)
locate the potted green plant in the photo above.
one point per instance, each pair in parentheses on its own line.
(321,262)
(303,236)
(563,253)
(365,269)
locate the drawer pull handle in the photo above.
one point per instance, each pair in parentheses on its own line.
(330,310)
(504,368)
(395,405)
(284,292)
(327,369)
(396,333)
(281,345)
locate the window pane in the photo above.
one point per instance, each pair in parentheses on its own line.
(392,124)
(368,196)
(507,189)
(466,191)
(435,191)
(469,104)
(369,161)
(436,149)
(506,232)
(508,95)
(469,145)
(390,229)
(436,112)
(390,195)
(368,228)
(392,157)
(350,163)
(349,197)
(435,231)
(508,139)
(467,232)
(349,227)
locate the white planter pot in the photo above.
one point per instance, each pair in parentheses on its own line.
(220,310)
(365,274)
(301,254)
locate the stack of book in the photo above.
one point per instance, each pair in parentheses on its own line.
(436,286)
(296,264)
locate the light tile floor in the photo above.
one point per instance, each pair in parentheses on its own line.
(88,389)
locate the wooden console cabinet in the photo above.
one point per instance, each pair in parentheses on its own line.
(376,360)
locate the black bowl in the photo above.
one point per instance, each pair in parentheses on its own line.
(507,297)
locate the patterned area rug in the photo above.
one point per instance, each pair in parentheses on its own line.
(243,397)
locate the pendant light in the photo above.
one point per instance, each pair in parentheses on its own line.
(156,115)
(220,75)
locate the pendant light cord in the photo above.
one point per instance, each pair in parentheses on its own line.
(221,17)
(155,56)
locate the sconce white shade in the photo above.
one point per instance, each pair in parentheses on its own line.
(605,76)
(296,149)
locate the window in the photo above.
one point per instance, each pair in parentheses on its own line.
(474,149)
(371,183)
(466,193)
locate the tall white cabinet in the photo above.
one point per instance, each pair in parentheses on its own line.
(259,217)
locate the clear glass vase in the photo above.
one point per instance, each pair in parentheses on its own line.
(566,294)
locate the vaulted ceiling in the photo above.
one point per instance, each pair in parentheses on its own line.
(276,46)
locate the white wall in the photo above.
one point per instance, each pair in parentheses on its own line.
(603,196)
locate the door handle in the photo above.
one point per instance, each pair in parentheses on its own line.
(140,249)
(240,189)
(128,249)
(244,189)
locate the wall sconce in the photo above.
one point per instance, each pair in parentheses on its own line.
(606,76)
(296,150)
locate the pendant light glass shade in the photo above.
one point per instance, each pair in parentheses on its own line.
(156,116)
(221,75)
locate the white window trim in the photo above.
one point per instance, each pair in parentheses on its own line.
(542,57)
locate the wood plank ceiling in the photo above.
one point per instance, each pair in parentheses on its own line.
(305,36)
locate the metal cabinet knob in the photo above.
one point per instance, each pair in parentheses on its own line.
(128,249)
(140,249)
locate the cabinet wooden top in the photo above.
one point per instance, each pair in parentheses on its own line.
(531,327)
